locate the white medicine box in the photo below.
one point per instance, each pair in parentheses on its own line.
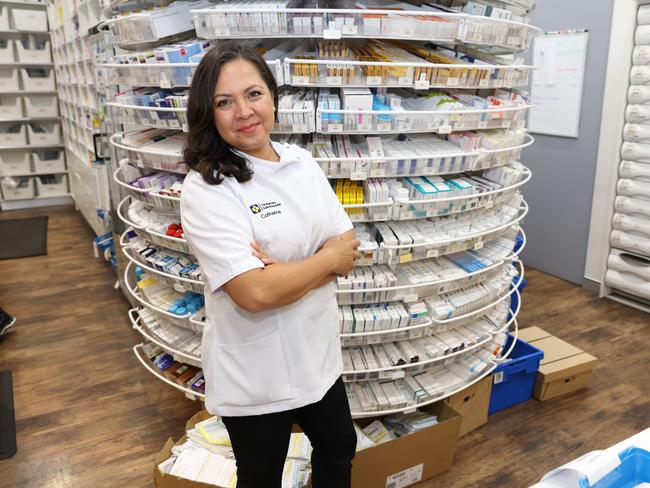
(7,51)
(11,107)
(17,188)
(14,163)
(28,19)
(8,80)
(13,134)
(48,161)
(41,106)
(42,133)
(52,185)
(38,79)
(34,52)
(4,17)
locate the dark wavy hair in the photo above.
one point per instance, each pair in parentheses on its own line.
(205,150)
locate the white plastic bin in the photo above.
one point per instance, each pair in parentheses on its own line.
(38,79)
(52,185)
(32,54)
(17,188)
(13,134)
(48,161)
(9,80)
(14,163)
(11,107)
(40,133)
(7,51)
(41,106)
(28,19)
(4,17)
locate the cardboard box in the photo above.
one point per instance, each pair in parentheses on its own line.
(472,404)
(411,458)
(564,369)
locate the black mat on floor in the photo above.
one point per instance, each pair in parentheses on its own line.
(20,238)
(7,418)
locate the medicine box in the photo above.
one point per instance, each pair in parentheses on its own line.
(7,51)
(48,161)
(564,369)
(416,457)
(4,17)
(14,163)
(52,185)
(24,19)
(11,107)
(9,80)
(41,106)
(30,54)
(513,379)
(13,134)
(38,79)
(24,190)
(472,404)
(43,133)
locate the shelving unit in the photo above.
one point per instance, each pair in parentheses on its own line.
(31,143)
(618,254)
(75,51)
(493,217)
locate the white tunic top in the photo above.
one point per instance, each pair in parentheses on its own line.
(280,359)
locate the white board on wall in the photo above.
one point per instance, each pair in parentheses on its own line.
(556,89)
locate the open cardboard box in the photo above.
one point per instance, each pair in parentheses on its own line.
(472,404)
(564,369)
(411,458)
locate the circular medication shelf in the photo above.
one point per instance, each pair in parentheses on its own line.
(478,258)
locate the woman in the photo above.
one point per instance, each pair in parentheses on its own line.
(271,349)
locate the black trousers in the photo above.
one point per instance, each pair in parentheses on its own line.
(260,442)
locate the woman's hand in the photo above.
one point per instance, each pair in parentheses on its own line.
(261,254)
(341,253)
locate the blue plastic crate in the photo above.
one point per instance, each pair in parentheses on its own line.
(513,380)
(633,470)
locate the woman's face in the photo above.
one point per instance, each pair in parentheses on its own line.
(243,107)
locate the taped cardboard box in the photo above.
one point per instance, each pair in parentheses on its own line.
(411,458)
(472,404)
(564,369)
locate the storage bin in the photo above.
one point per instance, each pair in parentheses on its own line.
(4,17)
(7,51)
(9,80)
(11,107)
(52,185)
(44,133)
(48,161)
(34,52)
(41,106)
(17,188)
(513,380)
(12,134)
(28,19)
(634,470)
(38,79)
(14,163)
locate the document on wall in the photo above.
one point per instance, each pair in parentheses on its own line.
(556,90)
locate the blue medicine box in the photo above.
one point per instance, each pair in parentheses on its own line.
(513,380)
(633,471)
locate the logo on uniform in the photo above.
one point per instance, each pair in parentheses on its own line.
(255,208)
(268,209)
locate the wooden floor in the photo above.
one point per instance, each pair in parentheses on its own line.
(88,415)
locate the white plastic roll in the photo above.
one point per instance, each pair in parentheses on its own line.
(641,55)
(626,223)
(638,94)
(628,263)
(635,152)
(642,35)
(637,133)
(630,242)
(632,206)
(633,188)
(639,75)
(628,283)
(643,15)
(634,169)
(639,114)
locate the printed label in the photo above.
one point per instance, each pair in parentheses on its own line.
(405,80)
(498,377)
(406,477)
(179,288)
(478,245)
(452,81)
(433,253)
(405,258)
(358,175)
(444,129)
(422,84)
(300,128)
(484,82)
(383,126)
(373,80)
(335,128)
(301,80)
(410,298)
(334,80)
(350,30)
(331,34)
(165,83)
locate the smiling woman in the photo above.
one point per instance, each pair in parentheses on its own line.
(270,236)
